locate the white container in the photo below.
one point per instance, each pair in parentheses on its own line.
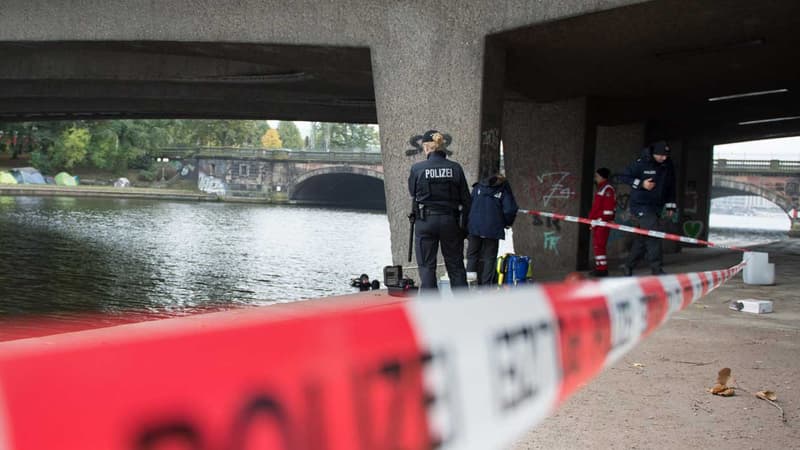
(758,270)
(751,305)
(472,279)
(444,287)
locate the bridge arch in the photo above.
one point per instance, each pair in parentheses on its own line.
(722,186)
(345,186)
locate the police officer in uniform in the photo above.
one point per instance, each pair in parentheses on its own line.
(441,202)
(652,181)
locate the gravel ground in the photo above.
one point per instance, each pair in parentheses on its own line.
(655,397)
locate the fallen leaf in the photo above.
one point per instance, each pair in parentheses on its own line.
(724,376)
(766,395)
(721,388)
(717,388)
(727,392)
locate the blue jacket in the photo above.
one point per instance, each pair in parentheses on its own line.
(663,194)
(493,208)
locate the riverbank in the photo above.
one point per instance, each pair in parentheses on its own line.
(105,191)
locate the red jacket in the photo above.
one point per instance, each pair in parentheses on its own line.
(605,202)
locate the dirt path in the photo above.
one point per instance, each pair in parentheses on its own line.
(655,397)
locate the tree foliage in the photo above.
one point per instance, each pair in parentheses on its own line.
(218,133)
(271,139)
(290,135)
(117,145)
(344,136)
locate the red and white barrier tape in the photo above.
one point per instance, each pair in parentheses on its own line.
(628,229)
(364,372)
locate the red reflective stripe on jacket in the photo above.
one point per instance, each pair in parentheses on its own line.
(605,199)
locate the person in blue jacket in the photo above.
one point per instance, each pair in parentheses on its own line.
(493,210)
(652,181)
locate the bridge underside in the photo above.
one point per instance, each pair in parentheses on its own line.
(342,190)
(661,61)
(658,61)
(160,79)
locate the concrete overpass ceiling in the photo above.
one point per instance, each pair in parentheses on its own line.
(42,80)
(662,60)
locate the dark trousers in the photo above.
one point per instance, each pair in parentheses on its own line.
(435,229)
(646,245)
(482,257)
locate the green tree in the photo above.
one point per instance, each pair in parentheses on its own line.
(72,147)
(344,136)
(290,135)
(218,133)
(271,139)
(69,150)
(116,144)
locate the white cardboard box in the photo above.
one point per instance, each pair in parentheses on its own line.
(752,306)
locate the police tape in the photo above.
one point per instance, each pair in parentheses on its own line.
(365,371)
(628,229)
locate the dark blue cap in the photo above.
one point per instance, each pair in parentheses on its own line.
(660,148)
(428,136)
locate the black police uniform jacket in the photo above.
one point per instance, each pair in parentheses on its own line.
(440,185)
(643,201)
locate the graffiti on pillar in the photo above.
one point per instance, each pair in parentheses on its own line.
(692,228)
(548,221)
(490,138)
(551,239)
(416,142)
(555,185)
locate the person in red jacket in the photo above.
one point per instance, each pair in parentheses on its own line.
(603,207)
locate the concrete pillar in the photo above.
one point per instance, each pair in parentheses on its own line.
(617,147)
(494,72)
(694,202)
(546,146)
(674,224)
(427,77)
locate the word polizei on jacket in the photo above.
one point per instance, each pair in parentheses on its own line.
(439,172)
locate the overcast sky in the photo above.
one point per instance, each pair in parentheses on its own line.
(783,148)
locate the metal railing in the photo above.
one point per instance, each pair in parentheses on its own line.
(755,165)
(356,155)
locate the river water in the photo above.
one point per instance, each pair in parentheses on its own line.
(61,255)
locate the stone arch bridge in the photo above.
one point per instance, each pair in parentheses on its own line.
(774,180)
(349,179)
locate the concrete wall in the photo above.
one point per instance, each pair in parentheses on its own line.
(545,146)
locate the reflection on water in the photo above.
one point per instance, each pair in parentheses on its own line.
(738,230)
(65,254)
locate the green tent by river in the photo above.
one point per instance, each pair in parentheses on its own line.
(65,179)
(7,178)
